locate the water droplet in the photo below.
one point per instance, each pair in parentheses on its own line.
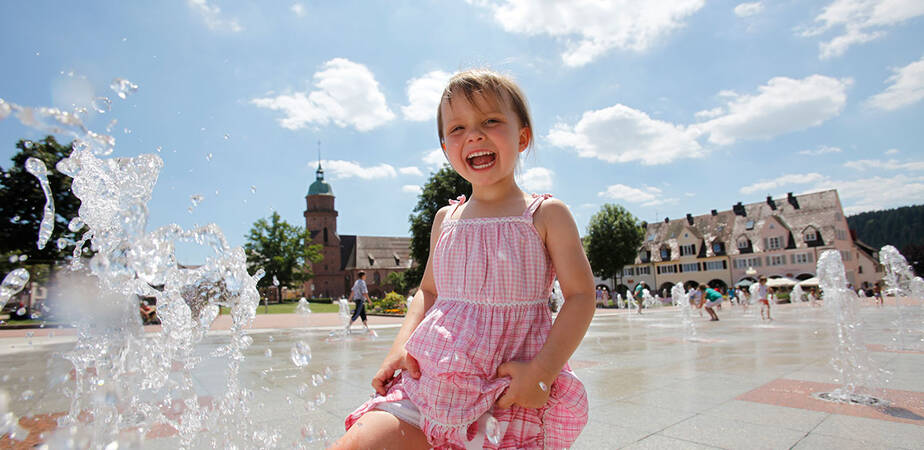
(127,130)
(15,220)
(75,224)
(327,373)
(22,258)
(102,105)
(317,380)
(544,387)
(37,168)
(13,282)
(227,136)
(27,395)
(21,311)
(253,189)
(303,308)
(34,316)
(195,199)
(27,144)
(320,399)
(112,123)
(123,88)
(208,157)
(159,148)
(492,430)
(300,354)
(275,281)
(268,353)
(271,338)
(301,389)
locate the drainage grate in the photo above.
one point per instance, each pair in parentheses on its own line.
(852,399)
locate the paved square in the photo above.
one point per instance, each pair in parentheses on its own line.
(742,383)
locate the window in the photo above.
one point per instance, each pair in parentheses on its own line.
(715,265)
(811,236)
(645,256)
(749,225)
(628,272)
(774,243)
(777,260)
(845,255)
(743,242)
(644,270)
(665,254)
(687,250)
(689,267)
(377,278)
(325,235)
(744,263)
(667,268)
(651,237)
(801,258)
(718,248)
(860,269)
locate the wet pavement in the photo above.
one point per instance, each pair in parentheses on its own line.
(741,383)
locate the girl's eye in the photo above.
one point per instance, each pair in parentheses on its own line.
(454,129)
(491,121)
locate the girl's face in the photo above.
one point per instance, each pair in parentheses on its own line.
(483,140)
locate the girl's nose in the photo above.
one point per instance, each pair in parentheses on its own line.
(475,135)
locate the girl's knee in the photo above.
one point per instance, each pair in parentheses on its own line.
(378,430)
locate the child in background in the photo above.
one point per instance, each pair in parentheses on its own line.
(763,295)
(481,363)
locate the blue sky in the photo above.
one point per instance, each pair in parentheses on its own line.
(667,107)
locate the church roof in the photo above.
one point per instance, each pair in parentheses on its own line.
(375,252)
(320,187)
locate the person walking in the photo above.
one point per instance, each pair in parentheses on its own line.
(359,294)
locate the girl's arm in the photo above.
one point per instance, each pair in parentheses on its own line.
(397,358)
(556,227)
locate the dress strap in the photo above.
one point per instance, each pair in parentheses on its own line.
(537,200)
(458,202)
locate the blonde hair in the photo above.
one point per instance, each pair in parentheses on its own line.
(490,84)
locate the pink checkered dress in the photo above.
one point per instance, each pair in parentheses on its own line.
(493,280)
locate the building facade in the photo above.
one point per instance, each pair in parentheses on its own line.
(774,238)
(344,256)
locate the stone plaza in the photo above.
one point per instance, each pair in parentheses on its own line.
(740,383)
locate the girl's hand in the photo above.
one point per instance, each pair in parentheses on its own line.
(400,360)
(525,389)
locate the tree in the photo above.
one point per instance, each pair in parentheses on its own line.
(22,204)
(613,239)
(282,250)
(397,281)
(443,185)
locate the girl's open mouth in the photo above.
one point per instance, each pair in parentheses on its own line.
(481,160)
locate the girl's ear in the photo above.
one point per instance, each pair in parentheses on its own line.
(526,136)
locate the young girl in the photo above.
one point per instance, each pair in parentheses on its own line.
(481,365)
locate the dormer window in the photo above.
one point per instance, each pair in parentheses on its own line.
(397,259)
(749,225)
(665,254)
(810,236)
(742,243)
(371,260)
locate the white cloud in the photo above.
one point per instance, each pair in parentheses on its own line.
(748,9)
(298,9)
(434,159)
(410,170)
(782,105)
(212,16)
(423,95)
(411,189)
(892,151)
(647,196)
(623,134)
(537,179)
(860,21)
(351,169)
(346,94)
(906,88)
(789,179)
(709,113)
(870,194)
(866,164)
(590,28)
(821,150)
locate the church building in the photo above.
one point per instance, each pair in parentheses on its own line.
(346,255)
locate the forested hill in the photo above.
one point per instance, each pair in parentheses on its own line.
(898,227)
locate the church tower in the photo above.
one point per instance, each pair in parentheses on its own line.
(321,222)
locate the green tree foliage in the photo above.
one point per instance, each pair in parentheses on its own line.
(22,204)
(442,186)
(898,227)
(397,281)
(282,250)
(613,238)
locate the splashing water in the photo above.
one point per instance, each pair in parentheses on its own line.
(37,168)
(102,105)
(898,279)
(303,308)
(854,367)
(13,282)
(300,354)
(120,378)
(123,88)
(492,430)
(796,296)
(557,298)
(682,300)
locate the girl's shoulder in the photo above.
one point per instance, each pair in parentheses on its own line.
(553,214)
